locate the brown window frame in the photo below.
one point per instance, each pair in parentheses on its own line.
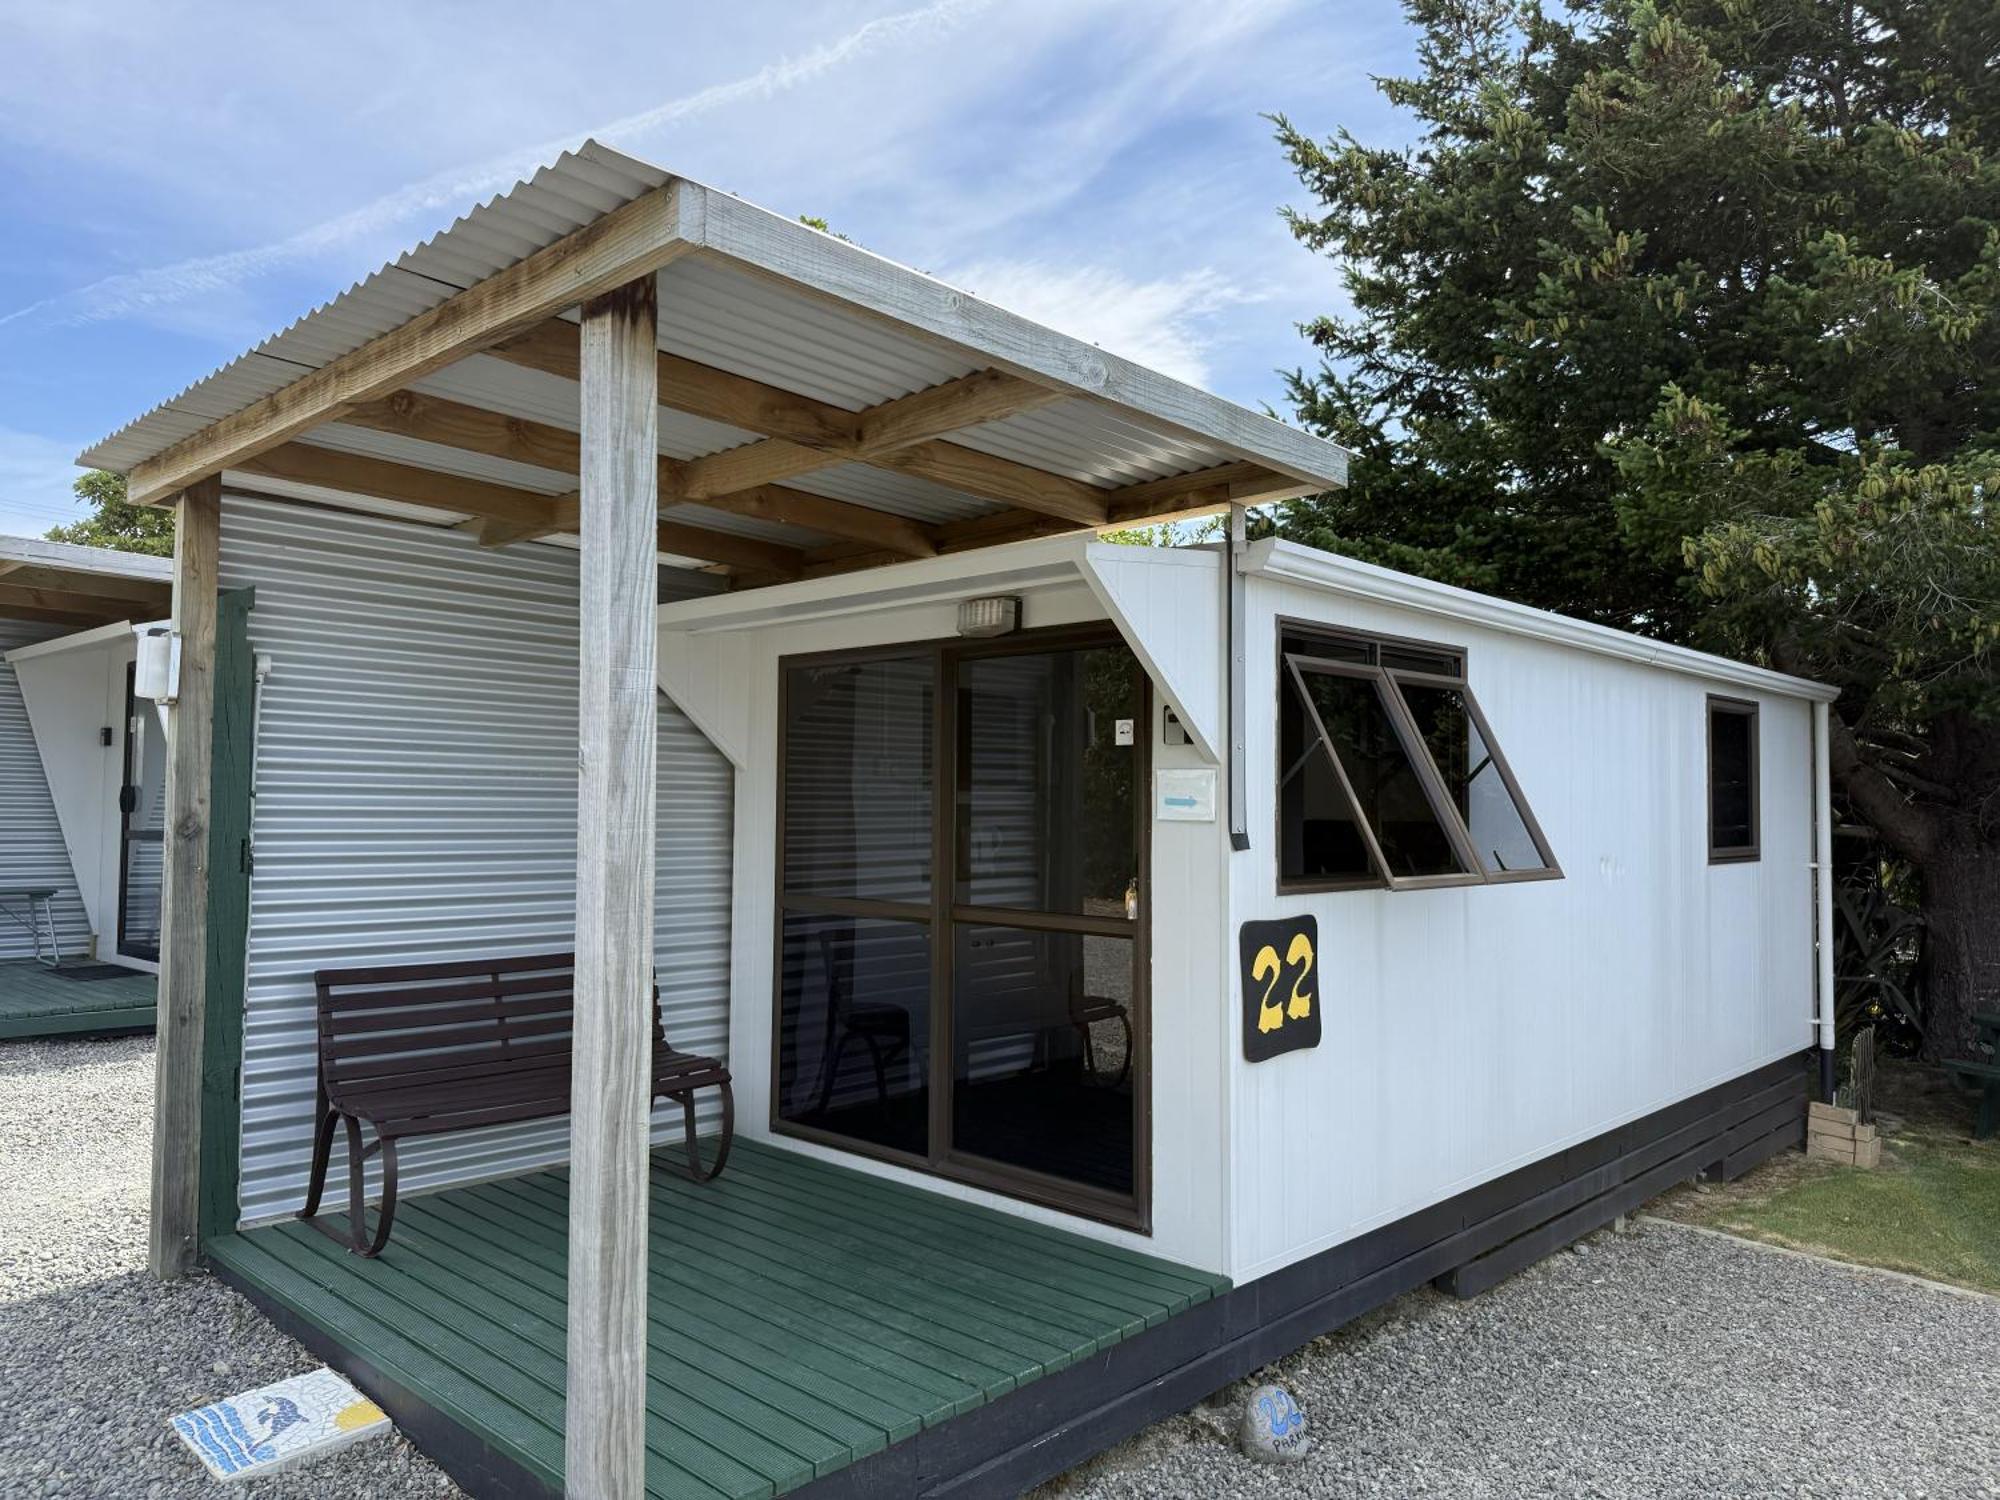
(943,912)
(1387,678)
(1735,854)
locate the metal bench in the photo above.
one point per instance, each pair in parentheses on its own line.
(424,1049)
(1984,1076)
(40,921)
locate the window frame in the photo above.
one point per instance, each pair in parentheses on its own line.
(1744,708)
(1388,680)
(943,914)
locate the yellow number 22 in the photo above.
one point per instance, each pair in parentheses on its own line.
(1270,1016)
(1301,952)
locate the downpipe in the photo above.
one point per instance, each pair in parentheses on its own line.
(1822,867)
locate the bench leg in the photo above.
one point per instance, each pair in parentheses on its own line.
(358,1238)
(1989,1112)
(386,1216)
(721,1146)
(322,1154)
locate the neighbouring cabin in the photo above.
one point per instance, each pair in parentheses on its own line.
(1131,962)
(82,785)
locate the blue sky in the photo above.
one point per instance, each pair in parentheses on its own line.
(179,179)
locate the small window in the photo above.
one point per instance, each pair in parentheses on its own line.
(1389,773)
(1732,780)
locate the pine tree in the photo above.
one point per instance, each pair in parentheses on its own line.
(1685,318)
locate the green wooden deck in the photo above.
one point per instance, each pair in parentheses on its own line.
(35,1002)
(801,1315)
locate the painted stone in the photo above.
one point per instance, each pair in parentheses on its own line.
(1273,1429)
(279,1426)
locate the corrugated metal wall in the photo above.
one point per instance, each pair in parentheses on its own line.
(32,852)
(416,800)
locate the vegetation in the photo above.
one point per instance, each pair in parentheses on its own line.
(1685,318)
(116,522)
(1929,1209)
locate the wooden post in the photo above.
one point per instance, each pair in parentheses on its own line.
(176,1232)
(604,1439)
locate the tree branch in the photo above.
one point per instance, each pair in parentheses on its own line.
(1904,827)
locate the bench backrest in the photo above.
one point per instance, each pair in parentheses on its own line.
(447,1022)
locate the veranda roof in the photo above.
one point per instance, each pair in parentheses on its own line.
(823,408)
(60,584)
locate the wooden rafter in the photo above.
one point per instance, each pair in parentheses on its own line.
(857,523)
(503,512)
(813,434)
(98,585)
(14,594)
(473,429)
(54,616)
(1177,497)
(628,242)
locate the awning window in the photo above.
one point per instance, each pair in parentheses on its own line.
(1393,777)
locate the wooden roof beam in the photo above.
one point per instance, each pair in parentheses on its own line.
(473,429)
(502,513)
(814,434)
(56,616)
(859,523)
(1176,497)
(82,603)
(139,591)
(632,241)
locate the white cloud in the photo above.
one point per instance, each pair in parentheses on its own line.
(36,473)
(1162,323)
(139,291)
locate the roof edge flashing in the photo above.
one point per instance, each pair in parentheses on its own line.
(1292,562)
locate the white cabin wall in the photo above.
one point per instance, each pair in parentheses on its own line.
(33,849)
(1471,1030)
(73,693)
(1188,975)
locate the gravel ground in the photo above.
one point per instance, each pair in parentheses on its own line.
(95,1355)
(1659,1362)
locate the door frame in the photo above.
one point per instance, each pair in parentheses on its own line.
(943,913)
(128,799)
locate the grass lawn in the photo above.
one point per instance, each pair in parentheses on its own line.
(1932,1208)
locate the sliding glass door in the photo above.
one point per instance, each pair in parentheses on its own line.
(962,872)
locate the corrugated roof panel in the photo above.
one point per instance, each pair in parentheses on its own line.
(1089,441)
(516,392)
(439,459)
(714,310)
(751,526)
(715,313)
(383,300)
(918,499)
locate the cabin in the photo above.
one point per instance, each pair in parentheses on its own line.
(83,784)
(1128,962)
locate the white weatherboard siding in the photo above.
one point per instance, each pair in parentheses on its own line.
(1472,1030)
(416,800)
(32,852)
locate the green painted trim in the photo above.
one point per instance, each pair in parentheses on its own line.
(228,912)
(79,1023)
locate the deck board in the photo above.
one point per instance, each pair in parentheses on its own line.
(801,1315)
(35,1002)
